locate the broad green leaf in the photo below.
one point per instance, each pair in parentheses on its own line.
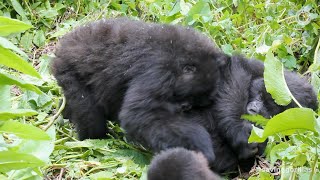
(316,59)
(274,80)
(227,48)
(9,45)
(276,149)
(12,60)
(38,100)
(3,177)
(294,118)
(136,156)
(9,26)
(26,41)
(262,175)
(290,62)
(24,131)
(174,10)
(10,160)
(25,174)
(257,119)
(15,113)
(40,149)
(5,97)
(89,143)
(300,160)
(256,135)
(7,79)
(184,8)
(18,8)
(49,13)
(39,38)
(200,8)
(102,175)
(287,121)
(44,65)
(263,49)
(315,81)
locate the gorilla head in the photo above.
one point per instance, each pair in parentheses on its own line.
(261,102)
(180,164)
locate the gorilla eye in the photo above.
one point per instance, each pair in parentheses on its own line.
(189,69)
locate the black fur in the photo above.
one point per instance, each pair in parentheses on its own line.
(139,73)
(180,164)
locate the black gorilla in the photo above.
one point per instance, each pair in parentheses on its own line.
(142,74)
(233,99)
(180,164)
(242,91)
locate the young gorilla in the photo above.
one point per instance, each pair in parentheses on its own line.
(239,76)
(180,164)
(242,91)
(140,73)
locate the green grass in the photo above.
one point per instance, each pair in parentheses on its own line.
(287,29)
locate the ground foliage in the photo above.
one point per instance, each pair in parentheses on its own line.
(281,33)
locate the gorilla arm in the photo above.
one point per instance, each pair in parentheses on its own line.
(231,104)
(148,116)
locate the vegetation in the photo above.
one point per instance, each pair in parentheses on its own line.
(281,33)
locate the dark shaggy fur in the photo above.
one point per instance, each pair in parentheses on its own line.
(140,73)
(242,91)
(180,164)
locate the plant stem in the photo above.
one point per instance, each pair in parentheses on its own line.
(56,115)
(314,165)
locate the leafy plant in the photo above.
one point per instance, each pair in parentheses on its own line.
(17,138)
(281,33)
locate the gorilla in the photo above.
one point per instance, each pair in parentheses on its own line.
(143,75)
(180,164)
(242,91)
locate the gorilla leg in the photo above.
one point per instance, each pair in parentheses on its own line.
(168,132)
(81,109)
(226,160)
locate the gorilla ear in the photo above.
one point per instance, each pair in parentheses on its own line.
(222,59)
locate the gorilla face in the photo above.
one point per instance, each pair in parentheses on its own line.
(260,101)
(192,74)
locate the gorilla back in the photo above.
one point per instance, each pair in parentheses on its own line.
(142,69)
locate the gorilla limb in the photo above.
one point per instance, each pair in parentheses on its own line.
(180,164)
(231,103)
